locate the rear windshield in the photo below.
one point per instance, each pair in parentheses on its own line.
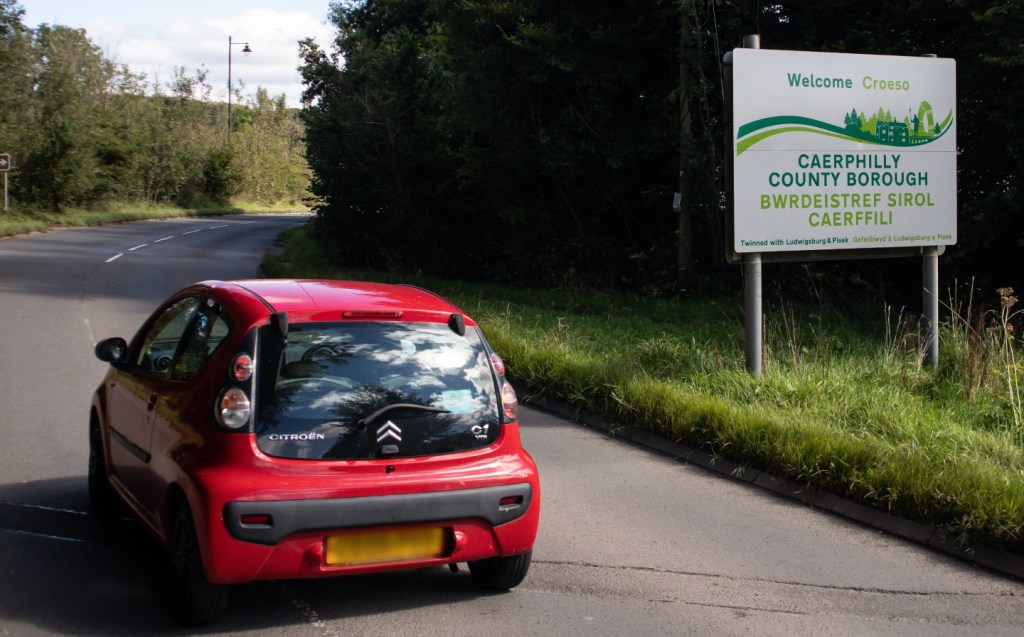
(374,390)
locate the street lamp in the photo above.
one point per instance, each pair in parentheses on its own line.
(246,50)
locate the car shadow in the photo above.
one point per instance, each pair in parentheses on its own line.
(67,571)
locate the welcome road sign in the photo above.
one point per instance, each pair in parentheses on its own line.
(838,151)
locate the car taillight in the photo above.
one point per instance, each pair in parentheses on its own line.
(509,402)
(233,408)
(498,365)
(241,368)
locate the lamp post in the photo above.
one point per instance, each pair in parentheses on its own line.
(246,50)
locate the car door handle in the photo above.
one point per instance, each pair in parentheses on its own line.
(152,402)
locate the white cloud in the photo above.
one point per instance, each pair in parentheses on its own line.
(191,42)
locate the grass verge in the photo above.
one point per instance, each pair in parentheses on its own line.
(843,407)
(18,223)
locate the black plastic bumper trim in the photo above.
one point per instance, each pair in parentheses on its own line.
(293,516)
(132,448)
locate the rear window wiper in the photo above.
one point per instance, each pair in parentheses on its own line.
(383,410)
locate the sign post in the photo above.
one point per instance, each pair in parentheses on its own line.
(5,166)
(930,303)
(842,156)
(753,295)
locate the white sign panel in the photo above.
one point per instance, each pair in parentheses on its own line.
(838,151)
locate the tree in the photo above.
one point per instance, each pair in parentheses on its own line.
(70,79)
(368,142)
(269,138)
(15,80)
(520,128)
(84,131)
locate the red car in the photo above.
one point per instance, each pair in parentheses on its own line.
(273,429)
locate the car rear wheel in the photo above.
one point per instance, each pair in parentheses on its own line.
(196,601)
(500,573)
(102,499)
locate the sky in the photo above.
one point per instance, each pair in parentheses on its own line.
(154,37)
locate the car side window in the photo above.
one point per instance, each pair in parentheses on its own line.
(161,340)
(210,327)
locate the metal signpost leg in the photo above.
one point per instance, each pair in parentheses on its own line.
(5,165)
(752,283)
(752,311)
(930,303)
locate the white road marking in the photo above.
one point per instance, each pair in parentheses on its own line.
(44,508)
(88,328)
(140,246)
(45,535)
(308,613)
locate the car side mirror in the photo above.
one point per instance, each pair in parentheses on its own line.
(112,350)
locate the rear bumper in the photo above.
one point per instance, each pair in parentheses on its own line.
(271,519)
(294,546)
(270,522)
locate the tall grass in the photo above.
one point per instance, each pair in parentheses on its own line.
(840,408)
(1009,358)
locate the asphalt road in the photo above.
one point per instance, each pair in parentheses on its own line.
(631,542)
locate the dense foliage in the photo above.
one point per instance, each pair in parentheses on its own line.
(543,142)
(83,131)
(517,140)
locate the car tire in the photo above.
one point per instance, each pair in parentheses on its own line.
(500,573)
(102,498)
(196,601)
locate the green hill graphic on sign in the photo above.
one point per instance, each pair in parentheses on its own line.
(881,128)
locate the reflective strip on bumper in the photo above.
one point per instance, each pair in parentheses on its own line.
(272,521)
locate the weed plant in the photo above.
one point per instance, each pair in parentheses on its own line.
(839,408)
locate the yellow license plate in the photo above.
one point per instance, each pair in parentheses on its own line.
(394,545)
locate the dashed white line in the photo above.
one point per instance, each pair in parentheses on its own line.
(88,328)
(308,613)
(143,245)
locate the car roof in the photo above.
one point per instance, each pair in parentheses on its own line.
(313,295)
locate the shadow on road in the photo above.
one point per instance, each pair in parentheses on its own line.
(69,572)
